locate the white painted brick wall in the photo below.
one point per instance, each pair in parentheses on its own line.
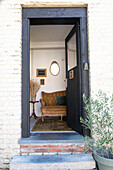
(100,41)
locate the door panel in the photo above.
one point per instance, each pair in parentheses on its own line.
(73,83)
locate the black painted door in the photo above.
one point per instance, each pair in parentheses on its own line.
(72,45)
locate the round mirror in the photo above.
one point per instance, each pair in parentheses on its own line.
(54,68)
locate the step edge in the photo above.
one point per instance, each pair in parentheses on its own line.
(24,140)
(85,158)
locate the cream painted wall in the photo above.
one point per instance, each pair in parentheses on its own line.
(42,58)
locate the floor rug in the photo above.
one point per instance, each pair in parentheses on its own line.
(51,124)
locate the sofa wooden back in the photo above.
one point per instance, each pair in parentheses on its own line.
(50,98)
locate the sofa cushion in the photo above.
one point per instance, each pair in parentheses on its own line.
(53,109)
(50,98)
(60,100)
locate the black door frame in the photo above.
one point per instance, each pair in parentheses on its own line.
(56,15)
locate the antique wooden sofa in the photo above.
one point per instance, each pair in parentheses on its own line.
(50,105)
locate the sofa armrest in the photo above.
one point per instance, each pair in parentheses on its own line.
(42,102)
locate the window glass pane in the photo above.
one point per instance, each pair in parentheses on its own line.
(71,52)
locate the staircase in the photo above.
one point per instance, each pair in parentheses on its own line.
(50,151)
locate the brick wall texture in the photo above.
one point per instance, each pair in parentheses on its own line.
(100,48)
(51,148)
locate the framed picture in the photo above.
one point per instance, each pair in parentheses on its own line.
(42,81)
(41,72)
(71,74)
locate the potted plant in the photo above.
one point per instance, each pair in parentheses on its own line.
(99,119)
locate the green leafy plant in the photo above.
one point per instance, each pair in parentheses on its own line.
(99,119)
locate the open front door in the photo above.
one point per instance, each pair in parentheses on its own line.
(72,46)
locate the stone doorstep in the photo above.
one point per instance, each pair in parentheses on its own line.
(80,161)
(70,137)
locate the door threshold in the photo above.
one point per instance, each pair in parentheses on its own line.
(53,138)
(36,132)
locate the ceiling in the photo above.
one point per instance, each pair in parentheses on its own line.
(48,33)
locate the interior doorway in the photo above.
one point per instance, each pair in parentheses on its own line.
(57,16)
(57,44)
(47,47)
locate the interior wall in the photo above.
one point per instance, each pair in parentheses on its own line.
(42,58)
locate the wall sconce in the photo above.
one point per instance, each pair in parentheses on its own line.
(86,66)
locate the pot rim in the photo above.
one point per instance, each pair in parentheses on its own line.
(105,161)
(99,155)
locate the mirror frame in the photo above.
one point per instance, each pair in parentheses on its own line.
(54,62)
